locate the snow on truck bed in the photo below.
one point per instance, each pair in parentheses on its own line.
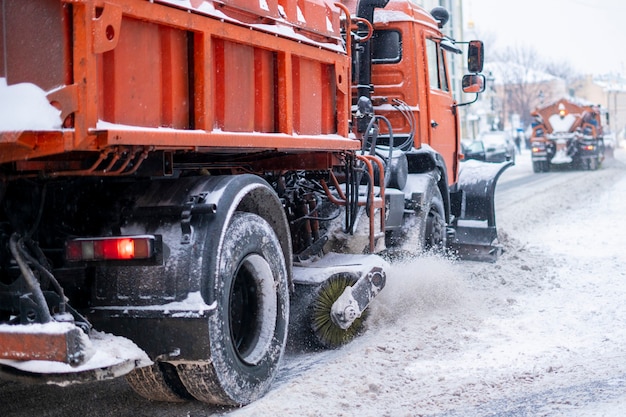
(25,106)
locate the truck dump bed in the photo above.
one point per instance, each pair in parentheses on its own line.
(129,77)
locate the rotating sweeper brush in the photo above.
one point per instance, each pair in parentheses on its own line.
(325,329)
(330,307)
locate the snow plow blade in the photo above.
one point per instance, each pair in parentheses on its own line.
(476,236)
(62,354)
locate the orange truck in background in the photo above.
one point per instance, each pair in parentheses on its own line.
(568,133)
(183,182)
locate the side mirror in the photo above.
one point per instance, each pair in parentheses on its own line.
(473,83)
(475,56)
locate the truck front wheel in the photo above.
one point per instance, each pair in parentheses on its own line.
(248,330)
(423,229)
(434,224)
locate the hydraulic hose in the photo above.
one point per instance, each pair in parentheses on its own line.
(31,281)
(38,264)
(372,149)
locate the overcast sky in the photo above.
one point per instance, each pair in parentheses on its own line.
(591,35)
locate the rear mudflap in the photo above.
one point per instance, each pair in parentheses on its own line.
(473,207)
(62,354)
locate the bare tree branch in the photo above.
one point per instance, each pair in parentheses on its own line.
(524,80)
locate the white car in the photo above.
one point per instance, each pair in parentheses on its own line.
(499,146)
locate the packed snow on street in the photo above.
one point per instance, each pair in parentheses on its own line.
(540,332)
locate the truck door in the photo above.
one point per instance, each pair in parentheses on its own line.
(442,119)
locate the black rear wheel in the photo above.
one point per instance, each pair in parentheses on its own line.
(541,166)
(248,331)
(592,164)
(158,382)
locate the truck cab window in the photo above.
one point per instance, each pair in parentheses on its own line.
(386,47)
(436,66)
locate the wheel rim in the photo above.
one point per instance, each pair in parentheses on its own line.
(252,309)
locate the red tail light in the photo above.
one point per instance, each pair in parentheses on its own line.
(110,248)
